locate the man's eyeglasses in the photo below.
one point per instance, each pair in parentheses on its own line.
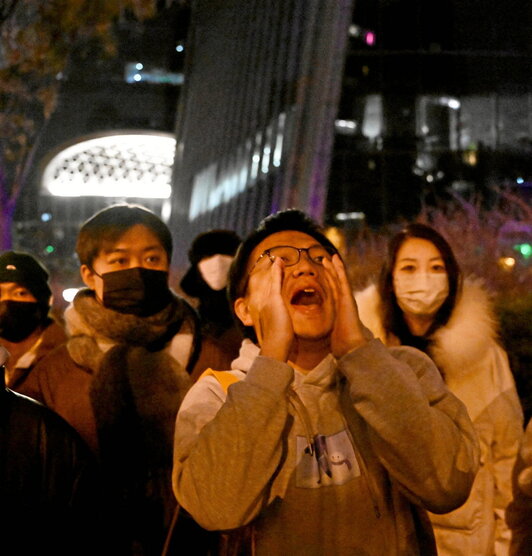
(291,256)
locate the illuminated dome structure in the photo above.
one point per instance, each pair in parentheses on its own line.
(120,165)
(85,175)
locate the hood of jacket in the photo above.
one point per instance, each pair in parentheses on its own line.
(247,354)
(322,375)
(462,342)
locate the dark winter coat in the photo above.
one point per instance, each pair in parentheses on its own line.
(119,381)
(49,489)
(52,336)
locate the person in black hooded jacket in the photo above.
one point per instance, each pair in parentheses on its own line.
(210,256)
(49,481)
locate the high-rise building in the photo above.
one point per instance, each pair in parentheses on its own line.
(358,112)
(254,132)
(435,102)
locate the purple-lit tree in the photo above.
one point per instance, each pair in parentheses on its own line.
(37,40)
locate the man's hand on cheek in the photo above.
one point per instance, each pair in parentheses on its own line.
(348,331)
(274,329)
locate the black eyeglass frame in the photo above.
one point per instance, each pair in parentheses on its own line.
(266,253)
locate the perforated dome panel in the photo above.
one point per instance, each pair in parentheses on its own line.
(125,165)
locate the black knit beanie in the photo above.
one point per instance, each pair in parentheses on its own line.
(24,269)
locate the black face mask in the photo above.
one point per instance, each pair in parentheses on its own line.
(136,291)
(18,319)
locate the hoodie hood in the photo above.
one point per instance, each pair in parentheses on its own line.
(461,343)
(322,375)
(247,354)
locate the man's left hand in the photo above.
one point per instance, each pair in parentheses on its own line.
(348,332)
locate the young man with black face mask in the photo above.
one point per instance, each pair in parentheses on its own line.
(121,376)
(26,329)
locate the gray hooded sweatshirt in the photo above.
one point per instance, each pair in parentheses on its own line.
(344,460)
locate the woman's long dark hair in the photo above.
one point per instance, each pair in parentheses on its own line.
(393,319)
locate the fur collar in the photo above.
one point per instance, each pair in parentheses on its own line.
(456,347)
(370,312)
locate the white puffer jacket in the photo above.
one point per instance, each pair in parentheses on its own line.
(476,370)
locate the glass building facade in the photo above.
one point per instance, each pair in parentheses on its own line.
(354,111)
(438,102)
(254,134)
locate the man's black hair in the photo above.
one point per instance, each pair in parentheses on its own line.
(108,224)
(285,220)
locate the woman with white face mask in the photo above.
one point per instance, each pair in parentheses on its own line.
(210,255)
(422,301)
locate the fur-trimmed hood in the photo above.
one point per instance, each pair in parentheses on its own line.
(462,342)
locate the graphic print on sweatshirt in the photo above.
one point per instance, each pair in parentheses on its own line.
(330,461)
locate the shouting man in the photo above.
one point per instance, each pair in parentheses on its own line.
(320,440)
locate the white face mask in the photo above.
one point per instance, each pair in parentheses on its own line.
(214,270)
(421,293)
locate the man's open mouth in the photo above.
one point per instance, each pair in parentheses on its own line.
(307,296)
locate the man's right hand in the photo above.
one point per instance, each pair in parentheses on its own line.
(274,329)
